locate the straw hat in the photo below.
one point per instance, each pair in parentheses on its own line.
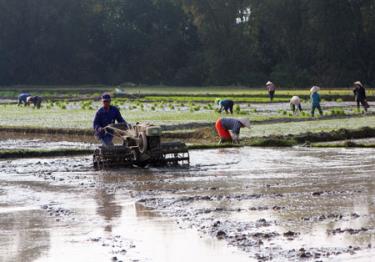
(245,122)
(295,100)
(314,89)
(269,83)
(358,83)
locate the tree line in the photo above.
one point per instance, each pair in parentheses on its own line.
(187,42)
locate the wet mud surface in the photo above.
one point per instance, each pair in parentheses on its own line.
(240,204)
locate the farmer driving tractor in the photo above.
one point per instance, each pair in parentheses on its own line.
(228,129)
(105,116)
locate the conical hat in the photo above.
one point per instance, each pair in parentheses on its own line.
(314,89)
(245,122)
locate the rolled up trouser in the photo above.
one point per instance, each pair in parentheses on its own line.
(271,94)
(364,104)
(221,131)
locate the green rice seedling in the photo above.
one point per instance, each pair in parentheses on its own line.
(339,100)
(217,100)
(153,108)
(284,112)
(237,109)
(340,111)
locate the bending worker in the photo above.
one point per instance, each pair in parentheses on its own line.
(105,116)
(295,104)
(229,129)
(35,100)
(226,105)
(22,99)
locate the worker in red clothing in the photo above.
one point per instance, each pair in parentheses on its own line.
(228,129)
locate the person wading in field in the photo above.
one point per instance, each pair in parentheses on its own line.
(271,88)
(315,100)
(105,116)
(360,95)
(295,104)
(22,99)
(35,100)
(228,129)
(226,105)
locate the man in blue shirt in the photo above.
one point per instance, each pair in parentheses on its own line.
(315,100)
(105,116)
(22,98)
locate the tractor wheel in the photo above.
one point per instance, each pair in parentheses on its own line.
(143,145)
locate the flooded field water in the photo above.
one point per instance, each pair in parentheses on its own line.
(231,205)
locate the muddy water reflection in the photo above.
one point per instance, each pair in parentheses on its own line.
(60,209)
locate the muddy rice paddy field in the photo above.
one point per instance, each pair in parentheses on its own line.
(310,200)
(255,204)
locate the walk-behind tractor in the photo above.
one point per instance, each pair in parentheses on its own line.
(141,146)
